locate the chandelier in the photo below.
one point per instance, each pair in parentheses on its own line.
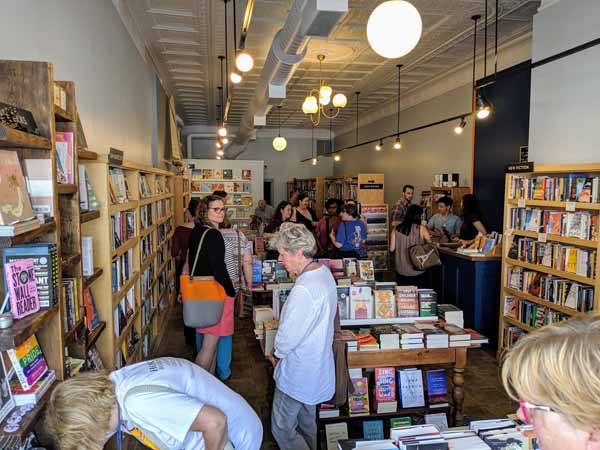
(317,99)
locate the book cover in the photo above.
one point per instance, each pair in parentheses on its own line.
(91,314)
(400,422)
(361,302)
(437,389)
(350,267)
(385,385)
(64,140)
(358,401)
(207,174)
(367,270)
(227,174)
(16,206)
(385,304)
(343,296)
(427,303)
(38,176)
(22,288)
(218,174)
(28,361)
(269,274)
(373,430)
(246,174)
(410,385)
(337,268)
(335,432)
(407,301)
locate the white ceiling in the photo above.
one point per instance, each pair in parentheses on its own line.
(185,37)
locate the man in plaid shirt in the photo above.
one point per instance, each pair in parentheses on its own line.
(402,205)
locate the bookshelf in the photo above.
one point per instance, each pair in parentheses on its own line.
(314,187)
(139,268)
(430,197)
(182,197)
(547,212)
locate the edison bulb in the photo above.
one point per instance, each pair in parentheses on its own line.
(458,129)
(398,144)
(225,141)
(314,161)
(222,131)
(337,158)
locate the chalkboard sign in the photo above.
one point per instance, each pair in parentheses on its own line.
(115,157)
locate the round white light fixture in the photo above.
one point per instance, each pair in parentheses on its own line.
(220,152)
(222,131)
(314,161)
(235,78)
(310,105)
(340,100)
(279,143)
(394,28)
(225,141)
(324,100)
(397,144)
(325,91)
(244,62)
(337,158)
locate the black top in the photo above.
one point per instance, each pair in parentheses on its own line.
(211,260)
(273,225)
(306,222)
(468,231)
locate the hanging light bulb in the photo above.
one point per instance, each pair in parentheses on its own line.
(222,131)
(458,129)
(314,161)
(220,152)
(337,158)
(225,141)
(324,100)
(397,143)
(310,105)
(379,145)
(235,78)
(394,28)
(279,142)
(244,62)
(340,100)
(218,157)
(218,144)
(484,108)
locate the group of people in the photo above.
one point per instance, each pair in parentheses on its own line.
(169,403)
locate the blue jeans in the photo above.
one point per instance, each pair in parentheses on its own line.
(224,352)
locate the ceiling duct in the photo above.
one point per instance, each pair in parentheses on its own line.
(306,18)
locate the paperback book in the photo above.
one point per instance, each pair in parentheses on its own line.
(361,302)
(437,389)
(407,301)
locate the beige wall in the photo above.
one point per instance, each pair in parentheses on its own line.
(88,44)
(424,153)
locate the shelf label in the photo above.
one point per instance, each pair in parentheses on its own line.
(521,203)
(542,237)
(570,207)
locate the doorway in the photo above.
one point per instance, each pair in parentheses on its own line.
(268,191)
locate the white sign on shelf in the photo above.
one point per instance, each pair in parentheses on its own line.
(542,237)
(570,206)
(521,203)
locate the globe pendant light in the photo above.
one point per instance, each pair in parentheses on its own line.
(244,62)
(235,78)
(483,108)
(394,28)
(279,143)
(379,145)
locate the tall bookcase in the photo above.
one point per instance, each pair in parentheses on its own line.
(148,292)
(536,290)
(314,187)
(182,197)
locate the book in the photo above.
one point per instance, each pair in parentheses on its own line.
(437,389)
(451,314)
(440,420)
(366,270)
(269,273)
(476,337)
(361,302)
(335,432)
(93,204)
(16,205)
(91,313)
(337,268)
(227,174)
(407,301)
(343,296)
(87,255)
(19,228)
(84,201)
(373,430)
(22,288)
(400,422)
(385,302)
(65,153)
(385,390)
(427,303)
(35,393)
(7,402)
(28,362)
(38,176)
(358,401)
(350,269)
(410,387)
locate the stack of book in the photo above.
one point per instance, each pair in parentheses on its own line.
(457,336)
(434,337)
(33,394)
(28,362)
(501,433)
(350,339)
(327,411)
(451,314)
(387,336)
(367,342)
(418,436)
(411,337)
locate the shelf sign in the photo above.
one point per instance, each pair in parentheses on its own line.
(521,203)
(542,237)
(570,207)
(371,185)
(115,157)
(521,167)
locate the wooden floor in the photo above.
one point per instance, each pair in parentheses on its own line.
(252,377)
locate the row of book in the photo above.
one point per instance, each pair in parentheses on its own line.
(230,187)
(146,280)
(123,228)
(222,174)
(531,313)
(377,242)
(87,197)
(511,336)
(146,219)
(123,311)
(566,258)
(73,304)
(163,208)
(581,225)
(163,231)
(129,345)
(122,270)
(146,247)
(554,289)
(144,186)
(118,188)
(572,187)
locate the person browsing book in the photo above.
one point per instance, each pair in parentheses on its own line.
(444,226)
(303,353)
(351,234)
(165,403)
(554,374)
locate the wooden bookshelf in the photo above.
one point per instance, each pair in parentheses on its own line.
(161,190)
(182,193)
(560,205)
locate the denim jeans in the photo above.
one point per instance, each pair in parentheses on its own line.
(293,424)
(224,352)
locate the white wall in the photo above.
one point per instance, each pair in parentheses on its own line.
(88,44)
(423,154)
(565,99)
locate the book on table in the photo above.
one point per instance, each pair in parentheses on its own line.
(385,301)
(437,388)
(385,390)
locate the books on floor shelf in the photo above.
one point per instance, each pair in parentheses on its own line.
(117,186)
(122,270)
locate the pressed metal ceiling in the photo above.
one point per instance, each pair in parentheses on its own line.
(184,38)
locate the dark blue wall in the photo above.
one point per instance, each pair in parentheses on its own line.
(498,138)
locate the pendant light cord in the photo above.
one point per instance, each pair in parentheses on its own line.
(496,43)
(234,31)
(357,94)
(485,46)
(227,52)
(279,120)
(475,19)
(399,66)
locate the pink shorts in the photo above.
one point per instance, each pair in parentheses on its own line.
(225,325)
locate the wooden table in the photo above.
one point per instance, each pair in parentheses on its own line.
(455,357)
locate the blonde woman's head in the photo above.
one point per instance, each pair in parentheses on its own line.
(559,367)
(79,411)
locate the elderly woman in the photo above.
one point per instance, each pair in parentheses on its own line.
(303,355)
(555,375)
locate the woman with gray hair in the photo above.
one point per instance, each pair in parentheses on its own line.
(303,354)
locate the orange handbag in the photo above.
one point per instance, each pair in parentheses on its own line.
(203,298)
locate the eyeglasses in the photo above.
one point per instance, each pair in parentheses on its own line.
(528,409)
(219,210)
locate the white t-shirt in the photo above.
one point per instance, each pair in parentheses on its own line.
(306,370)
(169,415)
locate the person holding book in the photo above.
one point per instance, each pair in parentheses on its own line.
(554,375)
(283,213)
(408,233)
(179,248)
(329,223)
(472,220)
(444,226)
(165,403)
(211,262)
(303,353)
(351,234)
(304,214)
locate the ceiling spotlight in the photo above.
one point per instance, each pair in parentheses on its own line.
(337,158)
(244,62)
(222,131)
(484,107)
(458,129)
(225,141)
(218,144)
(379,145)
(394,28)
(218,157)
(220,152)
(235,78)
(397,143)
(314,161)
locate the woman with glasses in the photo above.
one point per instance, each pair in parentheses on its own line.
(211,262)
(554,373)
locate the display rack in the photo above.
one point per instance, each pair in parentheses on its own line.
(557,192)
(378,234)
(342,187)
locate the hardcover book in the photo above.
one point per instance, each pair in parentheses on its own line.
(361,302)
(385,390)
(437,389)
(22,288)
(385,303)
(407,301)
(373,430)
(16,206)
(358,401)
(65,152)
(410,386)
(366,269)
